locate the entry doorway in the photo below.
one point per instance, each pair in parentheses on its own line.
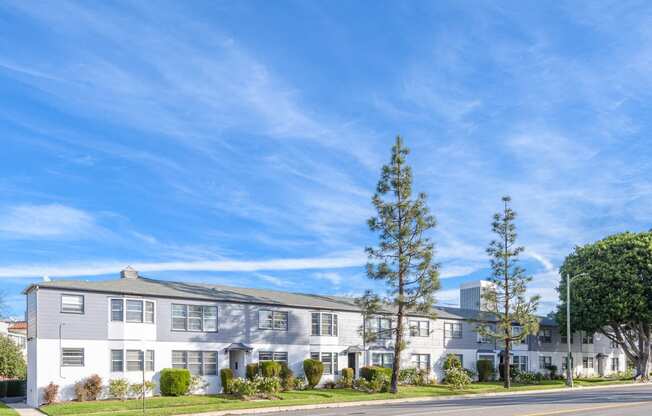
(237,363)
(353,362)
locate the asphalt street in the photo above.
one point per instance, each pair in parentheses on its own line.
(618,401)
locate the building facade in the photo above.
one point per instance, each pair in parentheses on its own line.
(124,327)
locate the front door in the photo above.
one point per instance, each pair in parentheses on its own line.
(352,361)
(237,362)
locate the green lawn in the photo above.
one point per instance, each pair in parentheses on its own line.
(7,411)
(161,406)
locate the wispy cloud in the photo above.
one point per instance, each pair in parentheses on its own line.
(333,278)
(45,221)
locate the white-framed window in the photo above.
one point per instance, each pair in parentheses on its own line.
(486,357)
(380,327)
(274,320)
(72,304)
(201,363)
(587,339)
(517,331)
(421,361)
(72,357)
(329,359)
(382,359)
(419,328)
(134,360)
(452,330)
(545,361)
(132,310)
(194,318)
(587,363)
(324,324)
(615,364)
(279,356)
(484,339)
(117,361)
(564,363)
(521,362)
(545,335)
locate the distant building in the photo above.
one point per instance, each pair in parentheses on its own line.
(471,295)
(17,332)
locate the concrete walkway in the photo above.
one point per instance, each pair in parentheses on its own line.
(24,410)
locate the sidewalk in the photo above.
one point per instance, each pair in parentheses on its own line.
(399,401)
(24,410)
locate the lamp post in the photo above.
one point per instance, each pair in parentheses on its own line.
(569,335)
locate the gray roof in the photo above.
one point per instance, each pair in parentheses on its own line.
(142,286)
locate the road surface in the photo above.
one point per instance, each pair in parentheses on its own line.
(617,401)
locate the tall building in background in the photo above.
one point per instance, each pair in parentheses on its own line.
(471,295)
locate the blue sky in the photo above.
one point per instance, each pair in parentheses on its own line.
(240,142)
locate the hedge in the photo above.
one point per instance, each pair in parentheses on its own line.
(252,371)
(175,381)
(313,369)
(372,373)
(13,388)
(270,369)
(226,376)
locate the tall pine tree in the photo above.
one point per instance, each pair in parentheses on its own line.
(404,256)
(505,298)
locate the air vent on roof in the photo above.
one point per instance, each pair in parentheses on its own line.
(129,273)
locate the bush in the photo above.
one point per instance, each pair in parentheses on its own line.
(12,361)
(174,381)
(51,393)
(136,389)
(553,372)
(197,385)
(226,375)
(268,386)
(13,388)
(93,385)
(330,385)
(457,378)
(378,384)
(452,361)
(486,370)
(251,371)
(346,379)
(287,378)
(118,388)
(313,369)
(270,369)
(243,387)
(80,391)
(371,373)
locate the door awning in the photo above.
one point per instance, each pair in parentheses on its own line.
(238,346)
(352,349)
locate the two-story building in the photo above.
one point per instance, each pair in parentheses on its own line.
(124,327)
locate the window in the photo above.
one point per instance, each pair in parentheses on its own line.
(200,363)
(421,361)
(545,336)
(276,320)
(329,359)
(149,312)
(195,318)
(615,364)
(117,361)
(587,363)
(380,327)
(134,360)
(517,331)
(134,310)
(117,310)
(545,362)
(452,330)
(382,359)
(324,324)
(614,345)
(564,363)
(587,339)
(520,362)
(419,328)
(281,357)
(484,339)
(72,304)
(72,357)
(564,339)
(149,360)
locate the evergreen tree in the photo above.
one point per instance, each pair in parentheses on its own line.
(505,298)
(404,256)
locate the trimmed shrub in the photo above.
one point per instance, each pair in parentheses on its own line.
(252,371)
(313,369)
(287,378)
(137,390)
(51,393)
(553,372)
(174,381)
(226,375)
(373,372)
(486,370)
(346,379)
(118,388)
(270,369)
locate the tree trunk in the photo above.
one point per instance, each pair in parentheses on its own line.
(507,382)
(396,365)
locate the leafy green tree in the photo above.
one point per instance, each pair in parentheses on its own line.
(611,293)
(12,362)
(404,256)
(506,297)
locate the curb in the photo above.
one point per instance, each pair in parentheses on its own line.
(335,405)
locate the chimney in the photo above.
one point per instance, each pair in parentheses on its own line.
(129,273)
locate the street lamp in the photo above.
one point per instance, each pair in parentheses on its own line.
(569,336)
